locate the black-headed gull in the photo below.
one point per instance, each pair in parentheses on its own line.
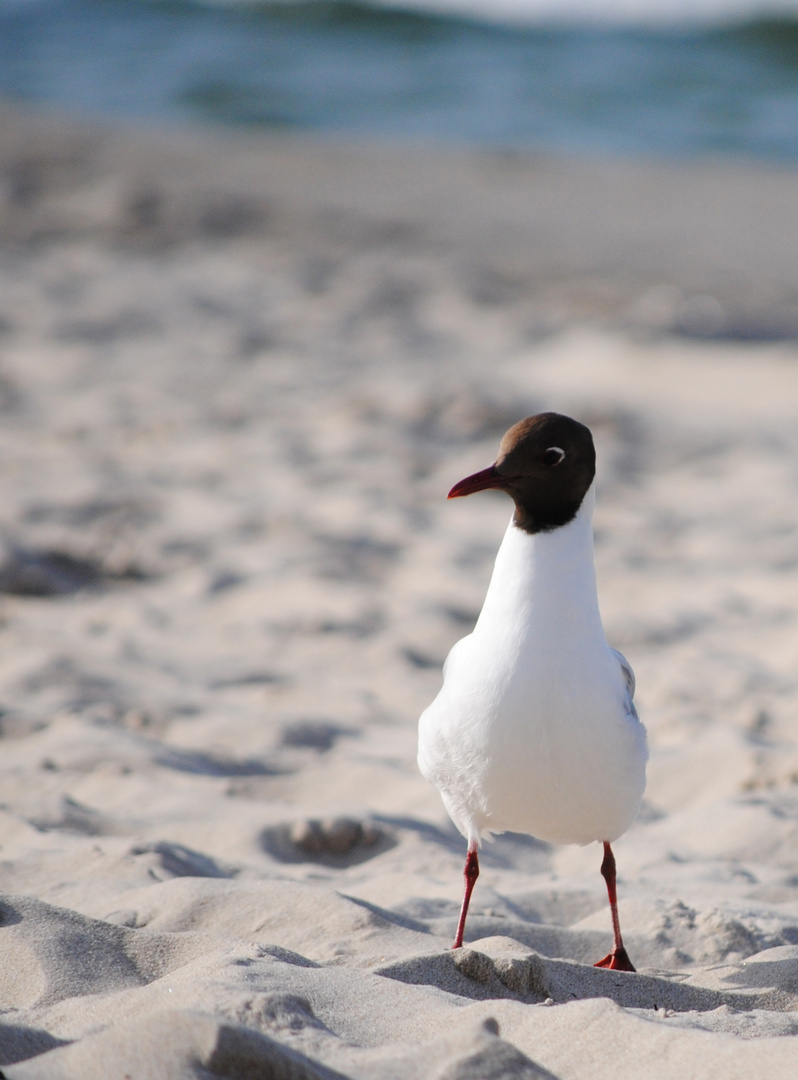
(534,729)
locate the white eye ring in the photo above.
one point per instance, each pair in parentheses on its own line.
(554,455)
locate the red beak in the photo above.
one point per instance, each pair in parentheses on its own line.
(481,481)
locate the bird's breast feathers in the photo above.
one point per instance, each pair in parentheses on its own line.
(547,742)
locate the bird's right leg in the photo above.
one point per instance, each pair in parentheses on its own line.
(470,873)
(618,959)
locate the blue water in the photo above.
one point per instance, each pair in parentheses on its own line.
(618,84)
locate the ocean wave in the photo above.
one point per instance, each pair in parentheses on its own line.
(644,13)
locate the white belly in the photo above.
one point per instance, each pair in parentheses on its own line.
(546,748)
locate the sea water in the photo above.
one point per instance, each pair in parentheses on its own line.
(664,77)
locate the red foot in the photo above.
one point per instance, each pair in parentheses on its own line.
(617,960)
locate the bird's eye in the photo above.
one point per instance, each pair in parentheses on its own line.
(553,456)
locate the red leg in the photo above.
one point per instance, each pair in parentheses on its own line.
(471,873)
(618,959)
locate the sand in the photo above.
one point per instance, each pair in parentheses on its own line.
(237,378)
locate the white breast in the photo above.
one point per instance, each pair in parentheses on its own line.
(534,729)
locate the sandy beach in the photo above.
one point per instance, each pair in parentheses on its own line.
(238,376)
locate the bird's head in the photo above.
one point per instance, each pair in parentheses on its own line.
(546,464)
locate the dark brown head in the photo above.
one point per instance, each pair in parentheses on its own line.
(546,464)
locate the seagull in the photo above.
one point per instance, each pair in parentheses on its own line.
(534,729)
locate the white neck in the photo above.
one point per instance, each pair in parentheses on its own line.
(546,579)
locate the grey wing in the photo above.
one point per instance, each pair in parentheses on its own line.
(629,679)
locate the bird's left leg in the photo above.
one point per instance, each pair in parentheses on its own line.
(470,873)
(618,959)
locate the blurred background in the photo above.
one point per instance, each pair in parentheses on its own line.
(272,277)
(628,77)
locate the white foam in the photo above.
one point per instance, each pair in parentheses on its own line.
(640,12)
(569,12)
